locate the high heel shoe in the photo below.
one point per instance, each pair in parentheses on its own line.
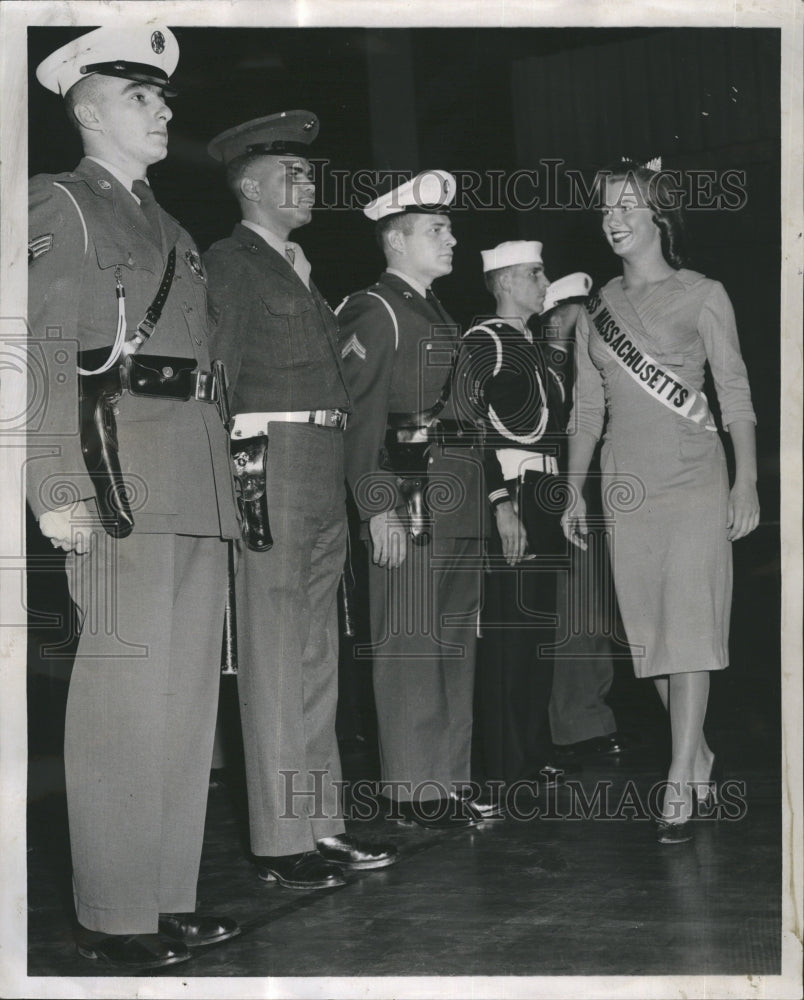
(705,806)
(673,833)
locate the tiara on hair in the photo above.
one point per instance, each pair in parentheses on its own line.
(655,164)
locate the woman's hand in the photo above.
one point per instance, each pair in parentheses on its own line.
(743,511)
(573,522)
(512,532)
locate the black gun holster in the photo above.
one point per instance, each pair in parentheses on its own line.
(406,453)
(97,395)
(249,458)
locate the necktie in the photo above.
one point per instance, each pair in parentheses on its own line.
(298,261)
(148,205)
(433,300)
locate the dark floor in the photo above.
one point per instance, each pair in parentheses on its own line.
(549,896)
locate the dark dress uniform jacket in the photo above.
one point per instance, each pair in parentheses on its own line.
(500,369)
(404,373)
(180,479)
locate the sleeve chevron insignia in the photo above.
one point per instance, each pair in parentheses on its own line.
(353,345)
(39,245)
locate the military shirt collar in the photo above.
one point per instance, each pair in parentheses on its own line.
(518,324)
(417,286)
(270,238)
(126,180)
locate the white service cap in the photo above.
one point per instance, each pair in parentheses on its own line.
(146,54)
(570,286)
(431,191)
(510,253)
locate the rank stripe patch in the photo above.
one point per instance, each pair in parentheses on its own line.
(39,245)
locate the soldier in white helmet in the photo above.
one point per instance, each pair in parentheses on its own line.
(138,491)
(416,478)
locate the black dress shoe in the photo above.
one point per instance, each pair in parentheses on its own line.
(300,871)
(597,746)
(196,930)
(437,814)
(551,773)
(131,952)
(356,855)
(673,833)
(487,808)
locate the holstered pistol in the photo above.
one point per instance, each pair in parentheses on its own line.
(249,458)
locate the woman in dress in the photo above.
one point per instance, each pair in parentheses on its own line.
(642,345)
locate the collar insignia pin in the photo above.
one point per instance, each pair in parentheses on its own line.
(104,185)
(194,263)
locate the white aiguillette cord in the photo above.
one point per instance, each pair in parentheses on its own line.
(147,324)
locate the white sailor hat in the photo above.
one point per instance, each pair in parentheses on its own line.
(144,54)
(287,133)
(431,191)
(571,286)
(510,253)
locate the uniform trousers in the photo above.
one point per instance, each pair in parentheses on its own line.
(584,670)
(424,633)
(288,645)
(140,722)
(519,628)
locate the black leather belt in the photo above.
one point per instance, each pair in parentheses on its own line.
(169,378)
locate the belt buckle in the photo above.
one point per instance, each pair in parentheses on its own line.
(206,387)
(340,419)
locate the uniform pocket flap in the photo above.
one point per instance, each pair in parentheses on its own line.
(286,305)
(111,254)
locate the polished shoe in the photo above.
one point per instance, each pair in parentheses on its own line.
(300,871)
(486,807)
(673,833)
(597,746)
(435,814)
(196,930)
(356,855)
(131,952)
(551,774)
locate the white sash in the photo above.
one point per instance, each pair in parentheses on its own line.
(624,346)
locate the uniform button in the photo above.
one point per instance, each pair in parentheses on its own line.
(130,260)
(167,371)
(187,308)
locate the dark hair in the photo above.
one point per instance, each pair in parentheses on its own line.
(86,90)
(491,279)
(236,170)
(403,221)
(662,197)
